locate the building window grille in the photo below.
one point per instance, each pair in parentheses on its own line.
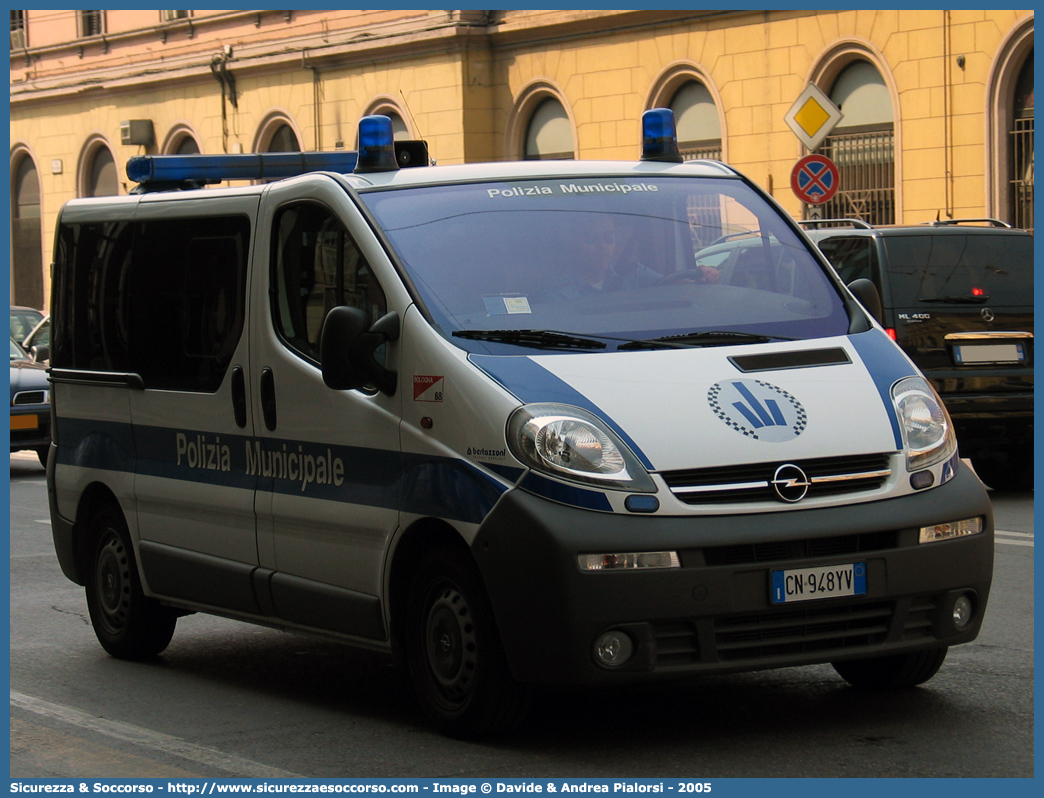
(1022,174)
(700,150)
(18,37)
(92,23)
(704,212)
(1020,146)
(174,16)
(865,160)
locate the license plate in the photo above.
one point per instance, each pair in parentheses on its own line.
(827,581)
(23,422)
(966,354)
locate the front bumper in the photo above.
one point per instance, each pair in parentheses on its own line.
(30,427)
(713,615)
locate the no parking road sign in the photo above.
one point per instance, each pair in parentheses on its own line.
(814,179)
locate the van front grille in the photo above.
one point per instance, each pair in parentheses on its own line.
(753,483)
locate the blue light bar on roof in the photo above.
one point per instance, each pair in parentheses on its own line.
(659,136)
(253,166)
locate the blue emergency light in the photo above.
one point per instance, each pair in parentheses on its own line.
(659,136)
(376,145)
(203,169)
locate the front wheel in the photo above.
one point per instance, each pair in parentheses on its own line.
(1009,472)
(128,624)
(456,662)
(893,672)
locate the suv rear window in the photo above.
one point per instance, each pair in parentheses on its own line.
(960,268)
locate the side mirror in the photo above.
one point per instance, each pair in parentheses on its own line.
(347,349)
(40,353)
(866,292)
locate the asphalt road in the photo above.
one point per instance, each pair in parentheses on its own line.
(232,700)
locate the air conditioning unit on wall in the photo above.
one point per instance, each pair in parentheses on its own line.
(18,39)
(136,131)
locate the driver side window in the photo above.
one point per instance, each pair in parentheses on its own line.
(317,266)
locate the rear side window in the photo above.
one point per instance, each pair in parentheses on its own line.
(317,266)
(162,299)
(961,269)
(853,258)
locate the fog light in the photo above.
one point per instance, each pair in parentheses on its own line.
(962,611)
(613,649)
(628,561)
(951,530)
(922,480)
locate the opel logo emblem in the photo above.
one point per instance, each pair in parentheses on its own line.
(790,483)
(987,314)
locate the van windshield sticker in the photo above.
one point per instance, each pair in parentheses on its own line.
(501,305)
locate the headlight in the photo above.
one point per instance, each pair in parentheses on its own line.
(927,430)
(569,442)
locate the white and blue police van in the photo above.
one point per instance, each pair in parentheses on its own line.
(567,423)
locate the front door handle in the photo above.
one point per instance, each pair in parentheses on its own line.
(268,398)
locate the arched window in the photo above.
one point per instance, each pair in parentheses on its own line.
(1020,194)
(862,146)
(549,135)
(187,146)
(399,129)
(26,241)
(283,140)
(102,180)
(698,123)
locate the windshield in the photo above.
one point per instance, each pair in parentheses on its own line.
(16,351)
(969,269)
(629,258)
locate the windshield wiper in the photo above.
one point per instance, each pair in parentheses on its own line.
(956,300)
(547,339)
(706,338)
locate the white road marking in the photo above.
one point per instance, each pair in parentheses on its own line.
(147,738)
(1001,537)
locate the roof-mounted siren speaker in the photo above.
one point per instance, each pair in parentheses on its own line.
(376,145)
(411,153)
(659,136)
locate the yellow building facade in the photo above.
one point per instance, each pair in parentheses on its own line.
(937,111)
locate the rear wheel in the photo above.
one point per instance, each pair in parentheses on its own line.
(128,624)
(456,662)
(894,672)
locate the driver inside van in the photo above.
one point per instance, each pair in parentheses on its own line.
(592,254)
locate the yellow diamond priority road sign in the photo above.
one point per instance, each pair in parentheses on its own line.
(813,116)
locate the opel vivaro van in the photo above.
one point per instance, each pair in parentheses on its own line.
(502,421)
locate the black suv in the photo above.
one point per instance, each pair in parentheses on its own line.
(958,298)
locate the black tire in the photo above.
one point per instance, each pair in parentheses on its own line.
(894,672)
(1012,472)
(128,624)
(456,662)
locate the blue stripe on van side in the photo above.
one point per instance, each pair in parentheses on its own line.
(440,486)
(532,383)
(565,494)
(886,365)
